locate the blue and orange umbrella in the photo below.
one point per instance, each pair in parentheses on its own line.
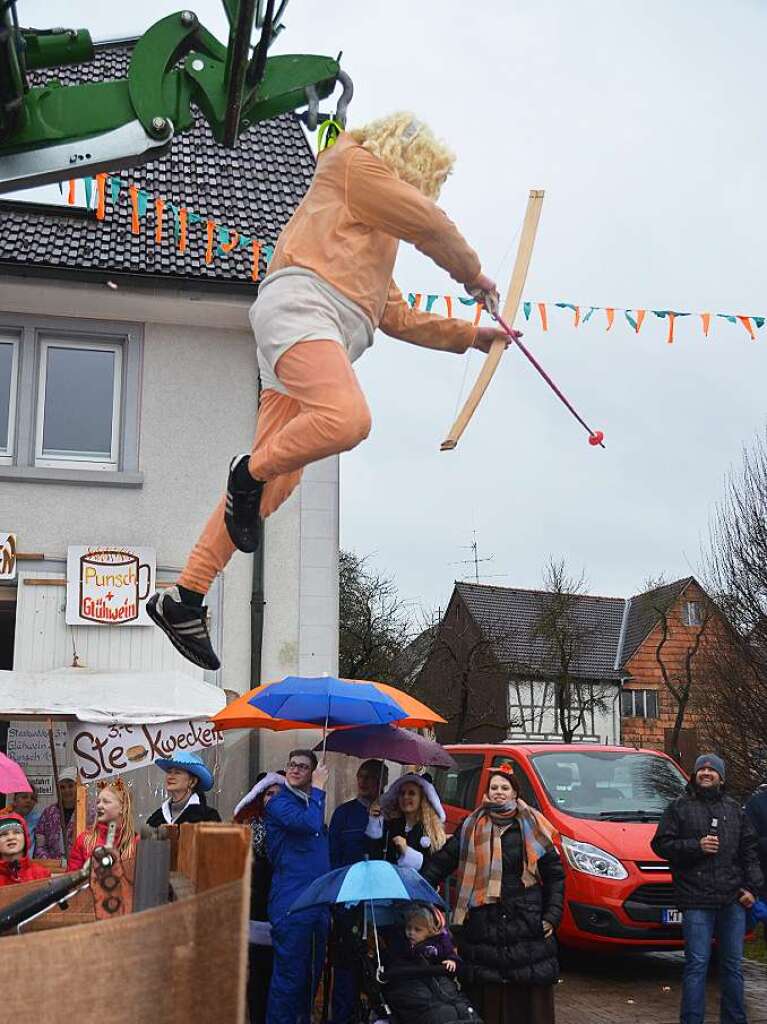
(245,712)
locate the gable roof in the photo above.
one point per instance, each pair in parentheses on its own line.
(252,189)
(515,613)
(642,615)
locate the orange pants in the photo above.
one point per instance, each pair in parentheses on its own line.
(324,413)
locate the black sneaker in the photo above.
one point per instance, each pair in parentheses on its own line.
(185,625)
(241,513)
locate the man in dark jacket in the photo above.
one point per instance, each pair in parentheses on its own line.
(712,849)
(297,846)
(348,846)
(756,812)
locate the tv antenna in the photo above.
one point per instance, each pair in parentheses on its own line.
(475,559)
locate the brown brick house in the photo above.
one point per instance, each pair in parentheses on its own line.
(665,630)
(486,667)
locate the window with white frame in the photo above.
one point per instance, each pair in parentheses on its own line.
(639,703)
(692,614)
(9,362)
(69,399)
(78,404)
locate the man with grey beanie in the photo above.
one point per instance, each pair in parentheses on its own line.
(712,849)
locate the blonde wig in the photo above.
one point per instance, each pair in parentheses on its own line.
(409,148)
(126,827)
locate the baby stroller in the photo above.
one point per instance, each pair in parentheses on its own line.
(422,993)
(403,990)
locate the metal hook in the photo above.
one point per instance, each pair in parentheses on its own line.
(346,97)
(311,116)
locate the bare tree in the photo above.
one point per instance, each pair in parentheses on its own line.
(734,703)
(732,710)
(563,639)
(461,675)
(681,676)
(374,625)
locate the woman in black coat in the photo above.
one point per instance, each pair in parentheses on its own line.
(511,895)
(406,826)
(187,781)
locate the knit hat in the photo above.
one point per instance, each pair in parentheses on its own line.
(10,825)
(710,761)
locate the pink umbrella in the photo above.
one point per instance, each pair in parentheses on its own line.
(12,777)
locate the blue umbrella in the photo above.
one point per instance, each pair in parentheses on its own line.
(368,881)
(372,883)
(327,701)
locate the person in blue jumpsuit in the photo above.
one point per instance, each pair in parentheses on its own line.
(348,846)
(297,846)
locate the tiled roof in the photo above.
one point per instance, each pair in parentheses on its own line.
(643,614)
(512,616)
(253,189)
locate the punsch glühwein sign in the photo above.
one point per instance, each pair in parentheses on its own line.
(109,585)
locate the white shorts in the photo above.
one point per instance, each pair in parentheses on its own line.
(298,305)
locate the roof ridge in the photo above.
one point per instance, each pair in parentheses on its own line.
(534,590)
(683,580)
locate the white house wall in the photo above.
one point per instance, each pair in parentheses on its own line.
(198,408)
(533,715)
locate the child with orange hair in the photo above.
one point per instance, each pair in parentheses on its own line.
(114,805)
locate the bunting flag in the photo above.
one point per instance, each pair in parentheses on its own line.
(218,239)
(223,241)
(443,305)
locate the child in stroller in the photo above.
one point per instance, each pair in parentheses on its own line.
(417,984)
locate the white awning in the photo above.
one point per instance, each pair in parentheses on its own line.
(90,695)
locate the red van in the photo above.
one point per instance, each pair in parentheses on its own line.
(606,803)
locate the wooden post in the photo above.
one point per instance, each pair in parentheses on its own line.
(510,308)
(55,766)
(81,807)
(152,879)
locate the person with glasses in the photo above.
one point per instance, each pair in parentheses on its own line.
(298,850)
(348,845)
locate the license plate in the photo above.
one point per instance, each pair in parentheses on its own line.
(672,916)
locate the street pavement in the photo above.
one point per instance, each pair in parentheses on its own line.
(641,989)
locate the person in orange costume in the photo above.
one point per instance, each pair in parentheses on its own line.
(329,286)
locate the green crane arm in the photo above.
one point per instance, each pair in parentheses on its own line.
(54,132)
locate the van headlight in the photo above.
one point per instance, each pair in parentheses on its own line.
(593,861)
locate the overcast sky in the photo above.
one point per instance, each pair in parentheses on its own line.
(642,120)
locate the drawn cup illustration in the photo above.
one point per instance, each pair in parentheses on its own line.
(110,586)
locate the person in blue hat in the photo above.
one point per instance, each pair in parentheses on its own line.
(187,780)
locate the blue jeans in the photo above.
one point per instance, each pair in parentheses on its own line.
(699,927)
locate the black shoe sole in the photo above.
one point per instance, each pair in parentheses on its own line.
(243,541)
(247,546)
(154,615)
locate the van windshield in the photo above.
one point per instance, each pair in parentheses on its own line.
(607,785)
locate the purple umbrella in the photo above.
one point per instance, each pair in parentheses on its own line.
(389,743)
(12,777)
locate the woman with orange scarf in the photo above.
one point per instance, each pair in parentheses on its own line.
(510,899)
